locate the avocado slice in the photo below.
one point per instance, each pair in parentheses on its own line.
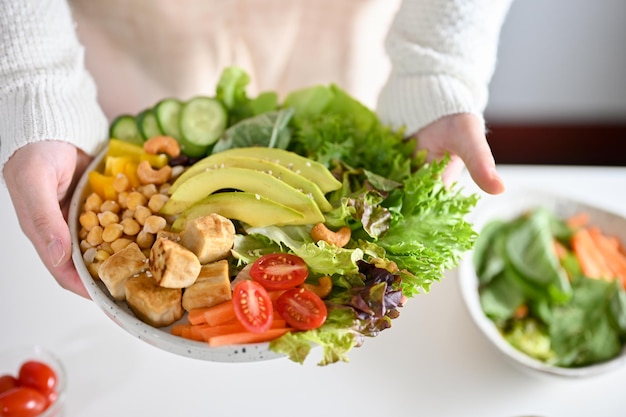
(311,170)
(250,208)
(285,174)
(233,178)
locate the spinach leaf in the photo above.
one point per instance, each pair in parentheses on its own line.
(488,257)
(501,298)
(269,129)
(529,248)
(582,331)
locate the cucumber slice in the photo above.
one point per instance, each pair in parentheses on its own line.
(202,121)
(167,113)
(148,125)
(125,128)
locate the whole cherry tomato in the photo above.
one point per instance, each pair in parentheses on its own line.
(40,376)
(22,402)
(7,382)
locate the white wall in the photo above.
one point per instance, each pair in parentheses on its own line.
(561,60)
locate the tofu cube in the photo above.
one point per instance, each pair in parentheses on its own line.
(210,237)
(119,267)
(151,303)
(172,265)
(212,287)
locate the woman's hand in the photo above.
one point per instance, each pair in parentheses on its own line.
(463,137)
(40,178)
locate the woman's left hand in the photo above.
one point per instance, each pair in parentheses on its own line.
(462,136)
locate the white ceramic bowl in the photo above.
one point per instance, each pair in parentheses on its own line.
(506,207)
(11,360)
(121,314)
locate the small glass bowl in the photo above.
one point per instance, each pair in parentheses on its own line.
(11,360)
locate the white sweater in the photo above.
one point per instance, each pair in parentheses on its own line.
(60,83)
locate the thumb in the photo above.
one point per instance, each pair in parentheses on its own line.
(478,159)
(35,185)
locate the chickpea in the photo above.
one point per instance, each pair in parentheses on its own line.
(112,232)
(108,217)
(130,225)
(141,214)
(88,220)
(148,190)
(154,224)
(135,199)
(122,199)
(94,237)
(157,202)
(145,239)
(89,255)
(110,205)
(119,244)
(84,245)
(92,203)
(101,255)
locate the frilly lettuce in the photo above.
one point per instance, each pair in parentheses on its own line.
(402,217)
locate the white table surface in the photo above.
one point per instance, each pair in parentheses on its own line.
(433,362)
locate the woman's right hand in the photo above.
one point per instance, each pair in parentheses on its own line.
(40,178)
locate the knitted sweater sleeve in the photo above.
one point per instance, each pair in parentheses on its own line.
(45,91)
(443,54)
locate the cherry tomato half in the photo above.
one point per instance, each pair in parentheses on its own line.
(279,271)
(22,402)
(7,382)
(302,309)
(253,306)
(38,375)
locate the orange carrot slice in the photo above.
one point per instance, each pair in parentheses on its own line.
(578,220)
(220,313)
(590,258)
(247,337)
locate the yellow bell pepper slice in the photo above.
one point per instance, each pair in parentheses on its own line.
(135,153)
(102,185)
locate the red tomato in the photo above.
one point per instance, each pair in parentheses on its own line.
(253,306)
(38,375)
(302,309)
(279,271)
(22,402)
(7,382)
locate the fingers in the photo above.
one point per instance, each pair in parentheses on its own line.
(462,136)
(478,159)
(38,177)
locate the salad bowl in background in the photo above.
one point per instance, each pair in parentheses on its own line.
(508,207)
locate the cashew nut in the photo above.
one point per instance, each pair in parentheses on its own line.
(340,238)
(323,287)
(162,144)
(149,175)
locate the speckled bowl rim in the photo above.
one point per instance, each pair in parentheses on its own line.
(120,313)
(506,207)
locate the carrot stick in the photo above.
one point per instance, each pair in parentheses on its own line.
(578,220)
(220,313)
(234,326)
(591,261)
(196,332)
(196,315)
(247,337)
(178,329)
(615,261)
